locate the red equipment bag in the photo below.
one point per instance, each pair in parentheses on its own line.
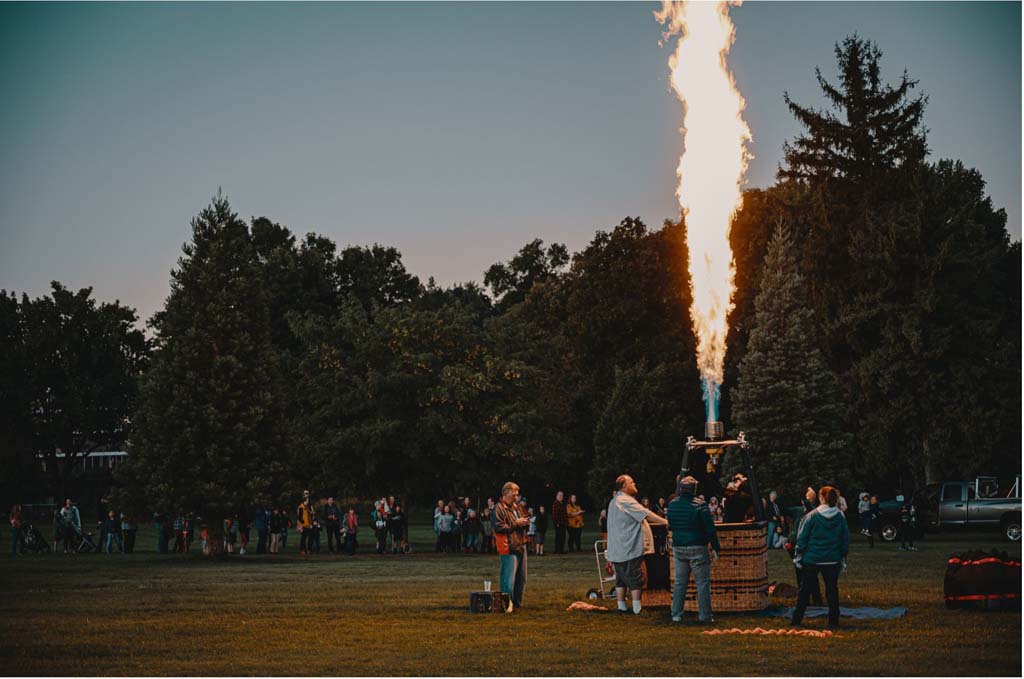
(982,580)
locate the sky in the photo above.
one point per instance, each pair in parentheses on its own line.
(456,132)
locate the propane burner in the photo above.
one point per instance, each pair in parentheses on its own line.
(712,450)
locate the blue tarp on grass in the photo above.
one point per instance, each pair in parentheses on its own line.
(862,613)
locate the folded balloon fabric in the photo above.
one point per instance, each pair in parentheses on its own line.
(862,613)
(817,634)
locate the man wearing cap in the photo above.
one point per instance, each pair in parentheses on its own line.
(693,530)
(626,519)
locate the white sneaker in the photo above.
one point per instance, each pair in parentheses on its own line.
(677,618)
(510,608)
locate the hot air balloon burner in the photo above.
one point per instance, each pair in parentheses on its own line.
(710,451)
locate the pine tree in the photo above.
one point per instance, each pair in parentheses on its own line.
(208,434)
(788,401)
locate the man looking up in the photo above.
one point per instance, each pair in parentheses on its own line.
(693,530)
(626,517)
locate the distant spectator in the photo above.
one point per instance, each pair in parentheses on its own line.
(602,523)
(908,525)
(112,530)
(304,524)
(261,522)
(243,532)
(559,520)
(274,524)
(351,531)
(778,538)
(286,523)
(458,536)
(471,529)
(774,514)
(487,529)
(864,513)
(15,520)
(316,535)
(380,527)
(180,543)
(396,529)
(128,531)
(874,519)
(58,530)
(715,507)
(230,534)
(574,524)
(446,525)
(531,530)
(541,523)
(438,511)
(332,524)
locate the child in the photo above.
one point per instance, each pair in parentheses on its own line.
(779,539)
(864,511)
(603,522)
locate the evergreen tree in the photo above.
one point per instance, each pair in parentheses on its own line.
(787,401)
(208,434)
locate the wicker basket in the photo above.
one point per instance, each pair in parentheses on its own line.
(739,580)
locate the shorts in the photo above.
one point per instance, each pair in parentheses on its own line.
(629,574)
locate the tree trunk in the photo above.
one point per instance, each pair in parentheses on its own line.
(932,473)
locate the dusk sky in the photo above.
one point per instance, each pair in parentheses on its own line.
(456,132)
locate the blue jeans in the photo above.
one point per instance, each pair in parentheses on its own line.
(694,559)
(14,541)
(471,539)
(111,537)
(771,532)
(513,575)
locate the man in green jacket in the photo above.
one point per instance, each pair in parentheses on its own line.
(693,531)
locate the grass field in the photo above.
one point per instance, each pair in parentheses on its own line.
(149,614)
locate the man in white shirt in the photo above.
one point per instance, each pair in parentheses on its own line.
(626,519)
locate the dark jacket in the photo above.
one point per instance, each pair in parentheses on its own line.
(541,523)
(691,523)
(823,537)
(332,514)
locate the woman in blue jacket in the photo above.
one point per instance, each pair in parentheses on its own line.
(822,543)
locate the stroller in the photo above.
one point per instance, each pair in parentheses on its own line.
(33,541)
(85,543)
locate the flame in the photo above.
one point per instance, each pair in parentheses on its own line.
(711,169)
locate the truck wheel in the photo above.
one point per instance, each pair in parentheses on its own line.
(1012,530)
(889,531)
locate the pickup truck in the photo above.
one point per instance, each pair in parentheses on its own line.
(980,503)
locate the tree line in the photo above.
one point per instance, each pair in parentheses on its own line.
(874,341)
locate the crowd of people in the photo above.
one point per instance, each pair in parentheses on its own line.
(324,526)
